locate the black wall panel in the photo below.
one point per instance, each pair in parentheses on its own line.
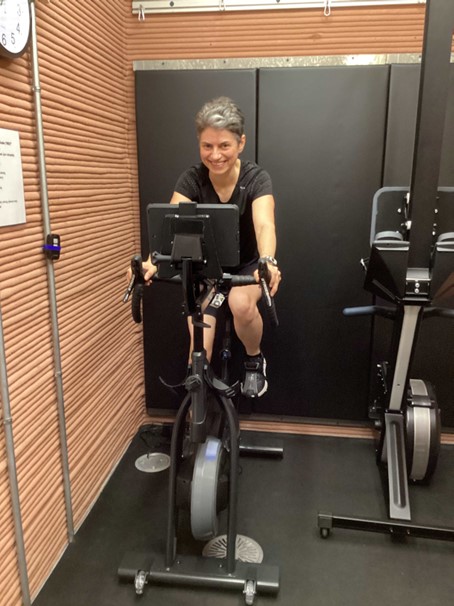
(434,353)
(400,136)
(329,140)
(321,136)
(166,104)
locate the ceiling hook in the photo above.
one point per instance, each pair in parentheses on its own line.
(327,9)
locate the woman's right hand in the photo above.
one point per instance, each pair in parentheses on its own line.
(149,271)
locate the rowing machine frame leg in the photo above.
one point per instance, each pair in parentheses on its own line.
(399,501)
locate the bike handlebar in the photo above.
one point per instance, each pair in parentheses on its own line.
(136,284)
(238,280)
(264,277)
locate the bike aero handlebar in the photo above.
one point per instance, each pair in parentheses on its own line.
(136,284)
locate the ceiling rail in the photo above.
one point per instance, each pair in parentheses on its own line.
(144,7)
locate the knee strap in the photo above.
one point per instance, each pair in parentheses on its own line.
(215,303)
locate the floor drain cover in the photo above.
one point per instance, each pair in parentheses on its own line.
(153,462)
(247,550)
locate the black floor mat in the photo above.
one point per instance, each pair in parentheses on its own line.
(278,505)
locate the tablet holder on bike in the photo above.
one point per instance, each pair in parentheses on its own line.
(191,249)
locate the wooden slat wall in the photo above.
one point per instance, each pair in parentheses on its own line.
(86,51)
(277,33)
(10,586)
(24,303)
(89,130)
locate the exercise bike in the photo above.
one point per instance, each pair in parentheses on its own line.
(205,443)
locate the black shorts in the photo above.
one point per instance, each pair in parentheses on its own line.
(247,269)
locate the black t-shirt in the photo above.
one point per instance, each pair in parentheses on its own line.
(252,183)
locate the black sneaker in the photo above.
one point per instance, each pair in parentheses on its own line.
(255,383)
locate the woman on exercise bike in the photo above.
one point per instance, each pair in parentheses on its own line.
(222,177)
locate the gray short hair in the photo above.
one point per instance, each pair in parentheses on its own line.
(221,113)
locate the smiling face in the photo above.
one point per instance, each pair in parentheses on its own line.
(219,150)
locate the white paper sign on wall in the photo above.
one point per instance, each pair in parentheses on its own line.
(12,202)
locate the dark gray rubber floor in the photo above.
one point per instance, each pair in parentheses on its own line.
(278,506)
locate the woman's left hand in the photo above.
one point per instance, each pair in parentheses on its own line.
(275,278)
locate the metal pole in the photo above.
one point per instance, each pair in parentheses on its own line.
(11,460)
(430,122)
(51,278)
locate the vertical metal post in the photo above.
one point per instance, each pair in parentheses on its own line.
(51,279)
(430,121)
(11,461)
(175,454)
(233,485)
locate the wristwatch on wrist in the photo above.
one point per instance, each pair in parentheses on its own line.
(270,260)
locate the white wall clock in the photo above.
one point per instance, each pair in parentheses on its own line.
(15,26)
